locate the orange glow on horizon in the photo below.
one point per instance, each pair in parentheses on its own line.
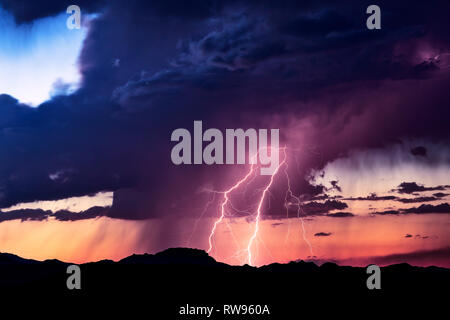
(352,240)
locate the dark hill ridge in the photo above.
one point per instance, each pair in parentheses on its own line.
(172,256)
(176,277)
(197,257)
(8,258)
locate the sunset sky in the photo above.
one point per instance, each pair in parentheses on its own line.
(86,117)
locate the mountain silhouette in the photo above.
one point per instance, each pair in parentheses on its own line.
(173,256)
(175,277)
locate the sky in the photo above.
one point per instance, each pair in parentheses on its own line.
(86,117)
(39,59)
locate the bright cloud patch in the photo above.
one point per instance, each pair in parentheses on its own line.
(74,204)
(38,60)
(381,170)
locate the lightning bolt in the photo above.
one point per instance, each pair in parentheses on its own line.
(224,203)
(246,180)
(258,211)
(210,202)
(298,205)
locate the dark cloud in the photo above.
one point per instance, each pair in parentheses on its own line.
(318,208)
(428,208)
(418,236)
(334,185)
(440,194)
(25,215)
(320,24)
(320,197)
(91,213)
(408,236)
(419,151)
(442,208)
(61,215)
(418,199)
(325,197)
(405,188)
(276,224)
(373,197)
(387,212)
(322,234)
(410,187)
(25,11)
(241,64)
(340,214)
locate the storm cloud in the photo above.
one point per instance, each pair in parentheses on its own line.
(311,68)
